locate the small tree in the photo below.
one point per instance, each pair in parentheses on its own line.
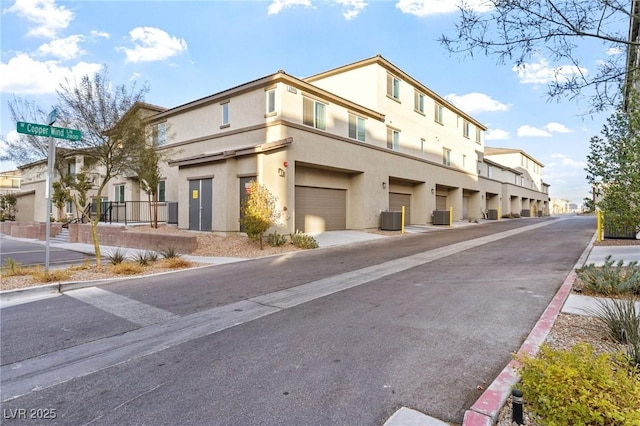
(259,212)
(613,165)
(61,195)
(82,185)
(148,170)
(8,207)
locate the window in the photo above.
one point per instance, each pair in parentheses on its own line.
(120,193)
(71,168)
(271,101)
(314,114)
(393,87)
(479,167)
(161,191)
(225,114)
(419,102)
(393,139)
(446,157)
(438,113)
(356,127)
(159,133)
(478,136)
(69,207)
(465,129)
(489,170)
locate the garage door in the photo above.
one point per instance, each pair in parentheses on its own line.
(396,201)
(320,209)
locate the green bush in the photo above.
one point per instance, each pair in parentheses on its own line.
(303,241)
(611,278)
(621,322)
(169,253)
(275,239)
(578,387)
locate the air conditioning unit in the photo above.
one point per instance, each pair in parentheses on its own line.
(390,221)
(441,217)
(492,214)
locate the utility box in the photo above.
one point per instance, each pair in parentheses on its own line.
(391,221)
(525,213)
(492,214)
(441,217)
(539,213)
(172,213)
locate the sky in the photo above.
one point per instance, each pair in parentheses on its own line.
(186,50)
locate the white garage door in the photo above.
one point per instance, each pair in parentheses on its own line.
(320,209)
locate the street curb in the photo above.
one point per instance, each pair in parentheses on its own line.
(485,411)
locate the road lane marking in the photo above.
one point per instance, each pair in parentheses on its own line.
(24,377)
(121,306)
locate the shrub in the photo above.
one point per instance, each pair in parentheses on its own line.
(619,318)
(144,259)
(127,268)
(13,268)
(581,388)
(276,240)
(169,253)
(117,256)
(611,278)
(303,241)
(175,263)
(259,212)
(41,276)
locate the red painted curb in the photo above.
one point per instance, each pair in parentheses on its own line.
(486,409)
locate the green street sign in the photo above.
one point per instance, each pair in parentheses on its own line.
(62,133)
(42,130)
(33,129)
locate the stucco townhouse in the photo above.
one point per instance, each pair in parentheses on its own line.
(336,149)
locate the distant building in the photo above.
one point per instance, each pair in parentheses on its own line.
(10,181)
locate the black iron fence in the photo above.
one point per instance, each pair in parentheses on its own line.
(130,211)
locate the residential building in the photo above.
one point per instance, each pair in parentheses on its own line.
(10,181)
(336,149)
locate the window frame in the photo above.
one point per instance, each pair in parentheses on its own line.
(159,134)
(466,128)
(224,117)
(120,192)
(316,105)
(161,192)
(446,156)
(393,87)
(358,130)
(393,139)
(271,101)
(438,113)
(419,102)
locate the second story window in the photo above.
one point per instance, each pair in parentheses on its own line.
(159,134)
(71,168)
(438,113)
(393,139)
(356,127)
(446,157)
(271,101)
(478,136)
(225,114)
(419,102)
(393,87)
(314,114)
(465,128)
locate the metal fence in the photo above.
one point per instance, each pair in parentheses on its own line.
(130,211)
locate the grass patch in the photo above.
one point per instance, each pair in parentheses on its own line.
(13,268)
(174,263)
(39,275)
(127,268)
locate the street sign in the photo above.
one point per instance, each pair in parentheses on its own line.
(62,133)
(33,129)
(42,130)
(52,117)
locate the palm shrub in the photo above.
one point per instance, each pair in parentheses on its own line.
(620,320)
(117,256)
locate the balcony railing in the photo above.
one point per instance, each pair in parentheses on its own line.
(130,212)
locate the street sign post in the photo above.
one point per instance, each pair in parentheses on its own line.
(50,132)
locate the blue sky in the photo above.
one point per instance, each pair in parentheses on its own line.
(185,50)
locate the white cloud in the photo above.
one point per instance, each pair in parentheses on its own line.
(473,103)
(541,72)
(95,33)
(49,18)
(422,8)
(613,51)
(353,8)
(496,135)
(24,75)
(532,131)
(63,48)
(568,161)
(152,44)
(557,128)
(276,6)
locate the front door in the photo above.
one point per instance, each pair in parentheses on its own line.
(200,204)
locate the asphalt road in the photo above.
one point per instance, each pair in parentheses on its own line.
(337,336)
(31,254)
